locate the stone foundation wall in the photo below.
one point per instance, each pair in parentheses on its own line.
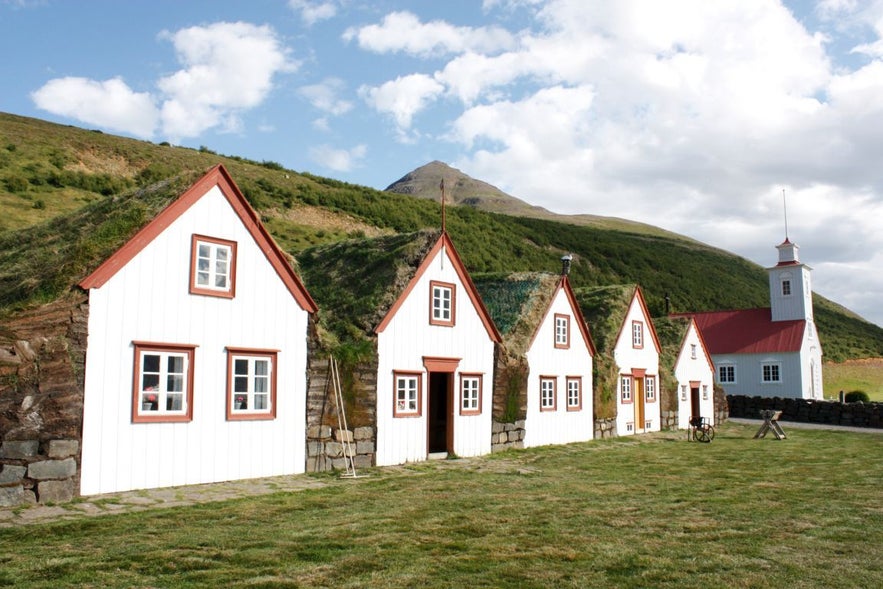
(809,411)
(42,361)
(605,428)
(668,420)
(328,448)
(507,435)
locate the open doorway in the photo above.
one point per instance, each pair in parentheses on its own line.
(440,437)
(694,401)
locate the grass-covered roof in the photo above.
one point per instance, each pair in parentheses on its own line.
(671,332)
(355,282)
(604,309)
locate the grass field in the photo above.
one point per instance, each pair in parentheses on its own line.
(650,511)
(854,375)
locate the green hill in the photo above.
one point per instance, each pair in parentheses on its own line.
(69,196)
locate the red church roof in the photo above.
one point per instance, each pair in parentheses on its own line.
(748,331)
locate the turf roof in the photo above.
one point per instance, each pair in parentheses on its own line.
(604,309)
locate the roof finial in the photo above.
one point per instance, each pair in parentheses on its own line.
(441,187)
(785,208)
(565,264)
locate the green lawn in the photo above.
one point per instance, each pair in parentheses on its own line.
(650,511)
(854,375)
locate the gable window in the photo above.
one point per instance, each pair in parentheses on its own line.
(407,402)
(212,266)
(770,372)
(163,387)
(441,304)
(574,393)
(470,394)
(562,331)
(251,384)
(786,287)
(547,393)
(650,389)
(637,334)
(693,351)
(726,373)
(625,386)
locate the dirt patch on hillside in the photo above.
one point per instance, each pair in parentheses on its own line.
(863,362)
(90,162)
(324,219)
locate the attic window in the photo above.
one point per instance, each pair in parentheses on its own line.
(693,351)
(442,301)
(637,334)
(212,266)
(562,331)
(786,288)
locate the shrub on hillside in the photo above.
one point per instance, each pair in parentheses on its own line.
(857,397)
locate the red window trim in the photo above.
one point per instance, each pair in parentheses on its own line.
(631,380)
(643,334)
(479,378)
(655,388)
(554,380)
(567,381)
(453,288)
(566,344)
(190,351)
(395,377)
(199,290)
(257,353)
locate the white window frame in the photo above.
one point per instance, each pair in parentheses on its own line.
(625,387)
(637,334)
(442,303)
(208,269)
(771,372)
(650,389)
(407,394)
(248,372)
(163,389)
(548,393)
(693,351)
(786,287)
(562,331)
(574,386)
(470,394)
(731,377)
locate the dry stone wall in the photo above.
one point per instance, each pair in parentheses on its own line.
(809,411)
(507,435)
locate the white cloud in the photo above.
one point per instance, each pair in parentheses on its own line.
(229,67)
(403,97)
(325,96)
(403,31)
(339,160)
(313,12)
(110,104)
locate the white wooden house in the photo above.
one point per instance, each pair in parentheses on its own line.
(686,357)
(196,355)
(773,351)
(542,326)
(435,362)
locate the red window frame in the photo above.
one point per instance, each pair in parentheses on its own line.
(395,390)
(245,415)
(623,379)
(554,381)
(648,390)
(566,344)
(638,335)
(433,284)
(477,377)
(141,416)
(579,392)
(195,288)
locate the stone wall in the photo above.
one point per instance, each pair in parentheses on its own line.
(42,361)
(809,411)
(507,435)
(605,428)
(328,448)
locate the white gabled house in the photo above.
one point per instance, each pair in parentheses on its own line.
(196,355)
(636,355)
(435,362)
(687,359)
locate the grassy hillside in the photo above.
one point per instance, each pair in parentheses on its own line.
(68,196)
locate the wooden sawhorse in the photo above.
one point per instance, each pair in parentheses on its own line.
(770,423)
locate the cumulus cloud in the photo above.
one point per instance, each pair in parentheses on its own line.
(404,32)
(403,97)
(313,12)
(110,104)
(325,96)
(228,69)
(338,160)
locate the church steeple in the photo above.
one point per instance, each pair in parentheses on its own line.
(790,287)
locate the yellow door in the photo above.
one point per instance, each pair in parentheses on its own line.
(639,404)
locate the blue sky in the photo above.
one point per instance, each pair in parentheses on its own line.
(690,115)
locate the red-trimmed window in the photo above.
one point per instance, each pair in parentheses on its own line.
(625,387)
(442,303)
(408,400)
(692,351)
(213,267)
(251,384)
(548,401)
(163,385)
(470,394)
(637,334)
(574,393)
(562,331)
(650,389)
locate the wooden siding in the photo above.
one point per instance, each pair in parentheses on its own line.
(560,426)
(402,346)
(629,359)
(694,370)
(148,300)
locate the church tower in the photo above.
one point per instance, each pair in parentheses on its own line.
(790,286)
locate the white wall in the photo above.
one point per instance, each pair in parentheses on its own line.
(148,300)
(401,346)
(627,359)
(689,369)
(560,426)
(749,374)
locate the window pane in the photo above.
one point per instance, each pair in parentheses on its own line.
(173,402)
(205,251)
(150,363)
(240,366)
(240,384)
(260,401)
(150,382)
(222,254)
(175,383)
(202,264)
(260,384)
(261,367)
(176,364)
